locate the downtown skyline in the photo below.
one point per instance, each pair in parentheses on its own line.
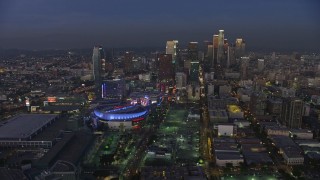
(123,89)
(272,25)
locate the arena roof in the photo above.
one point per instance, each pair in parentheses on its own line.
(24,125)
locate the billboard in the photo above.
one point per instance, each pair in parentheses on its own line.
(52,99)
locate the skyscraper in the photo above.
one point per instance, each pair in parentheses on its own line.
(291,114)
(172,48)
(215,42)
(181,80)
(220,52)
(166,73)
(260,65)
(231,59)
(98,61)
(244,63)
(193,51)
(208,51)
(208,57)
(225,58)
(194,72)
(128,64)
(240,48)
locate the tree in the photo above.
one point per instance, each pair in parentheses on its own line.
(295,137)
(228,167)
(296,171)
(243,167)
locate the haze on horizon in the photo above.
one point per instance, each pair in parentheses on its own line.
(38,24)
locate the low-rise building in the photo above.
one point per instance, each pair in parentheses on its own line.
(224,158)
(227,152)
(289,150)
(235,112)
(301,134)
(277,131)
(226,129)
(218,116)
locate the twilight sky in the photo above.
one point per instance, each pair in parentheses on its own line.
(264,24)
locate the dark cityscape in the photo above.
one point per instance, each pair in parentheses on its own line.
(107,90)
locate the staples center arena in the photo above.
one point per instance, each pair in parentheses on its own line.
(129,116)
(117,117)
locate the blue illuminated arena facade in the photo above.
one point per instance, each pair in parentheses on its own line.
(115,115)
(120,116)
(126,113)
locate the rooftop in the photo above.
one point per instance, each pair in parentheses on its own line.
(257,158)
(63,166)
(24,125)
(228,155)
(234,108)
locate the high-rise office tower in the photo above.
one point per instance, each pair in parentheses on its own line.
(128,64)
(193,51)
(228,57)
(291,114)
(258,104)
(260,65)
(98,62)
(244,63)
(113,89)
(220,52)
(209,52)
(231,59)
(225,45)
(165,73)
(208,58)
(200,56)
(215,42)
(181,80)
(194,72)
(225,58)
(172,48)
(240,48)
(205,46)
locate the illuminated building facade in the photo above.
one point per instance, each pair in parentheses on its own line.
(181,80)
(291,114)
(231,59)
(215,43)
(172,48)
(207,49)
(240,48)
(128,64)
(220,51)
(193,51)
(119,117)
(165,73)
(113,89)
(244,63)
(225,58)
(258,104)
(235,112)
(98,61)
(194,72)
(208,55)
